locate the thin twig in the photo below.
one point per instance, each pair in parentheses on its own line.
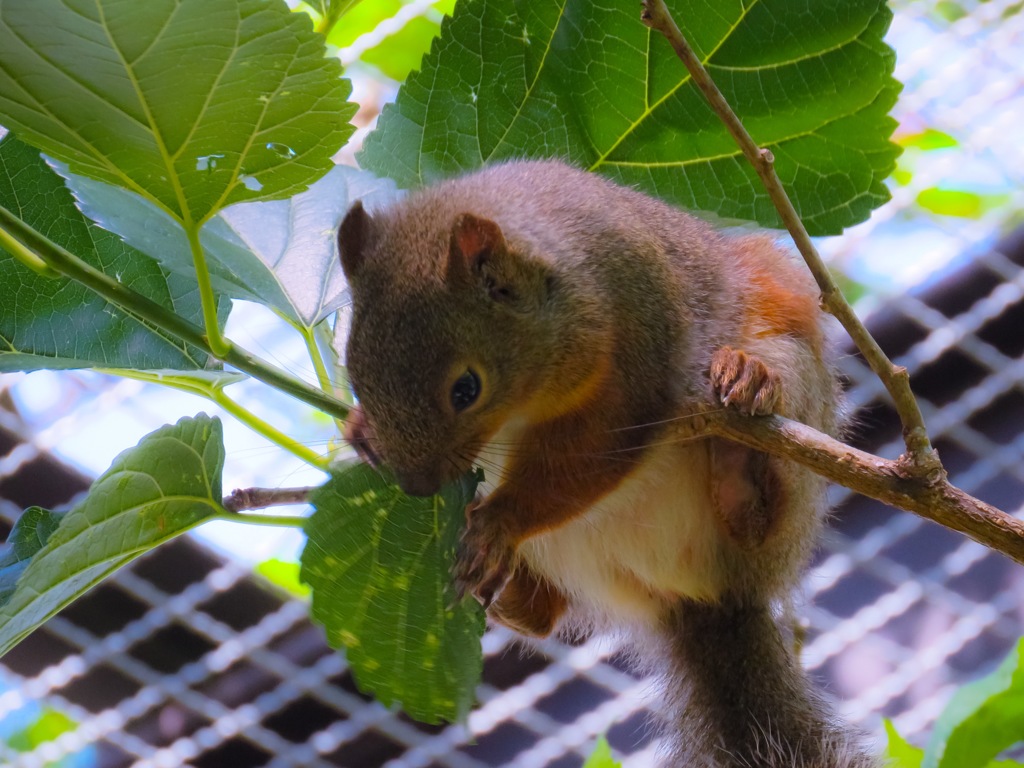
(260,498)
(924,461)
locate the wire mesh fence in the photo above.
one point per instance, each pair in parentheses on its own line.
(186,658)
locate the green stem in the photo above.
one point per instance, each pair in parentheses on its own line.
(145,309)
(272,433)
(214,392)
(220,346)
(25,256)
(334,13)
(339,376)
(322,376)
(281,521)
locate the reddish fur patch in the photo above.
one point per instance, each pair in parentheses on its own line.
(579,457)
(529,604)
(774,307)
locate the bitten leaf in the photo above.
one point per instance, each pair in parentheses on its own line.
(377,561)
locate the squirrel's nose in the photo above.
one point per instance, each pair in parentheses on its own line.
(420,484)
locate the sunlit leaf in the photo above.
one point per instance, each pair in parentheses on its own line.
(601,757)
(901,753)
(285,575)
(195,104)
(959,202)
(927,139)
(46,727)
(397,48)
(590,83)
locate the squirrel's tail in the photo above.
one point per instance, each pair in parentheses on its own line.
(738,698)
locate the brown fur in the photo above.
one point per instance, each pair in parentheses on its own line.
(593,318)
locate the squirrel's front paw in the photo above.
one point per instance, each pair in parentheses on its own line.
(483,562)
(742,381)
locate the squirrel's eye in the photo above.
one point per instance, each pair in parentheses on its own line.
(465,391)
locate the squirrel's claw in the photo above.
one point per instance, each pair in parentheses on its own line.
(742,381)
(483,561)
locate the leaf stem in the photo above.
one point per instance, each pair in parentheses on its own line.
(66,263)
(339,378)
(279,521)
(336,9)
(25,256)
(267,430)
(924,460)
(214,392)
(219,345)
(322,375)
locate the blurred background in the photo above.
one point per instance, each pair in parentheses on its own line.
(201,654)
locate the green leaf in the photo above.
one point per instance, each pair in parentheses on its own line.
(590,83)
(168,483)
(901,753)
(285,575)
(377,561)
(30,533)
(601,757)
(327,11)
(959,202)
(57,323)
(982,719)
(46,727)
(195,104)
(399,53)
(949,11)
(281,253)
(328,7)
(928,140)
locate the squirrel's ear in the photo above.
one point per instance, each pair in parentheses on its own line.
(473,241)
(353,237)
(480,255)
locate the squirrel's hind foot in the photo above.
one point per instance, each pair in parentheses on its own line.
(741,380)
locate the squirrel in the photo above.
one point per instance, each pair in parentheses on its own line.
(550,326)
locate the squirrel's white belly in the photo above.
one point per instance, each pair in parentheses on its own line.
(651,539)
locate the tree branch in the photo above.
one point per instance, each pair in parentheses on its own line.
(917,481)
(923,459)
(260,498)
